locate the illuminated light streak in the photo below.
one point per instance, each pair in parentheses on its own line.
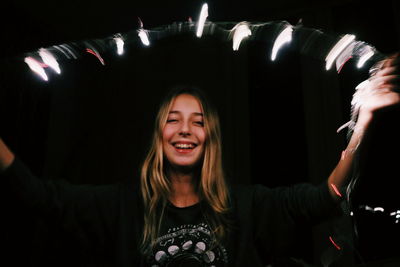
(69,51)
(49,60)
(91,51)
(341,66)
(62,51)
(364,58)
(334,243)
(337,49)
(202,19)
(144,37)
(36,67)
(379,209)
(284,37)
(120,44)
(336,190)
(240,31)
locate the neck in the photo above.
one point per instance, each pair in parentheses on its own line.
(184,188)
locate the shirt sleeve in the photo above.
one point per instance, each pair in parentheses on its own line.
(283,211)
(87,212)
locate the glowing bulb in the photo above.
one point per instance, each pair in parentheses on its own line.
(144,37)
(379,209)
(337,49)
(49,60)
(202,20)
(365,57)
(36,67)
(284,37)
(120,45)
(241,31)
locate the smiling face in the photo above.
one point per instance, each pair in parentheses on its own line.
(184,134)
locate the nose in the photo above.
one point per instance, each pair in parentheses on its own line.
(184,134)
(184,131)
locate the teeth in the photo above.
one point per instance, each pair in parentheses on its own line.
(184,146)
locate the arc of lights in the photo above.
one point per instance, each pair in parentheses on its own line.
(341,51)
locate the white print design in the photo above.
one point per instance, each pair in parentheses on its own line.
(187,245)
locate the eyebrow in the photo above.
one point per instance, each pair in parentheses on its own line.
(178,112)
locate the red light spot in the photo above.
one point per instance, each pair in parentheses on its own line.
(336,190)
(90,51)
(344,63)
(336,245)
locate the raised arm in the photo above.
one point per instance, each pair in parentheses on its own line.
(6,156)
(381,92)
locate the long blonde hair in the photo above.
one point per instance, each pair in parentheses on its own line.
(212,188)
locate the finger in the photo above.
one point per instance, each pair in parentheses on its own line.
(379,79)
(392,60)
(387,71)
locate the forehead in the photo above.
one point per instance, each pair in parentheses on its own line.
(186,103)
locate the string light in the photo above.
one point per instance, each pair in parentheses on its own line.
(369,52)
(49,59)
(120,44)
(202,19)
(96,54)
(337,49)
(144,37)
(36,67)
(240,31)
(284,37)
(343,50)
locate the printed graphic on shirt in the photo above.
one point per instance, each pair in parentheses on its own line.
(188,245)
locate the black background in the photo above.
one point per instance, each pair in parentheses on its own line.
(92,124)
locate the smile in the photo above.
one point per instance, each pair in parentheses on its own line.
(184,147)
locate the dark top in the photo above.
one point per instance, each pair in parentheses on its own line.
(106,221)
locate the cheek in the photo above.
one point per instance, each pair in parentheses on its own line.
(167,133)
(201,136)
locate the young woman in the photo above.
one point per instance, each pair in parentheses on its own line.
(184,213)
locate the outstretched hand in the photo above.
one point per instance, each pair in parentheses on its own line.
(382,89)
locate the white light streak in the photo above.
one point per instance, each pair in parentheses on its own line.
(49,60)
(36,67)
(240,31)
(365,57)
(202,20)
(337,49)
(379,209)
(144,37)
(284,37)
(120,45)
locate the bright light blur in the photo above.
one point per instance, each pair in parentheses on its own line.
(36,67)
(240,31)
(202,20)
(284,37)
(120,45)
(365,57)
(337,49)
(144,37)
(49,59)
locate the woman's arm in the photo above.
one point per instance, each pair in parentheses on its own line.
(6,156)
(381,91)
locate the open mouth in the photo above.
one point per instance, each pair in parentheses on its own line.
(184,147)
